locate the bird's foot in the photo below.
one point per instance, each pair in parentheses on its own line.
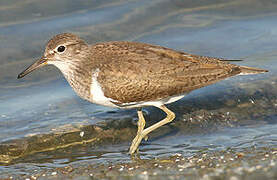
(136,141)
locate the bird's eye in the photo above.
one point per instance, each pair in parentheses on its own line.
(61,49)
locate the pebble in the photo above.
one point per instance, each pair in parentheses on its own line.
(121,168)
(82,133)
(233,178)
(251,100)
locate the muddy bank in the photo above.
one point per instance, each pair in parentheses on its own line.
(249,163)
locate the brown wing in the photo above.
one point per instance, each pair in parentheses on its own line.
(135,72)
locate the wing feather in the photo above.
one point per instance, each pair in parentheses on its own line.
(147,72)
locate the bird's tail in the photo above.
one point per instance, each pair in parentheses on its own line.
(249,70)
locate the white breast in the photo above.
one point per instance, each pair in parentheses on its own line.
(97,94)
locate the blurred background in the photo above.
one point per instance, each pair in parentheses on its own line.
(45,126)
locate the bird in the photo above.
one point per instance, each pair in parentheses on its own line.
(125,74)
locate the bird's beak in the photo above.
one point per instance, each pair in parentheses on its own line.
(39,63)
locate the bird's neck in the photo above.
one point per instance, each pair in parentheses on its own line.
(77,76)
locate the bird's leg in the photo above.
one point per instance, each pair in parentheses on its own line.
(170,116)
(141,121)
(137,139)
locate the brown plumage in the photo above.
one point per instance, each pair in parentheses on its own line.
(133,74)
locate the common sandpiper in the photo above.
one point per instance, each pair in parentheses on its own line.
(133,75)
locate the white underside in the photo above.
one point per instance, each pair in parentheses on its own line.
(157,103)
(97,95)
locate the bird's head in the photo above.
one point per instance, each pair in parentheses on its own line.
(60,51)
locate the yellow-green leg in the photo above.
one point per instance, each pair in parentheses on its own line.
(142,133)
(141,124)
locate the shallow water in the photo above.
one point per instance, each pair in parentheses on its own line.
(237,113)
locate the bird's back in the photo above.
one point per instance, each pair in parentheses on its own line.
(132,71)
